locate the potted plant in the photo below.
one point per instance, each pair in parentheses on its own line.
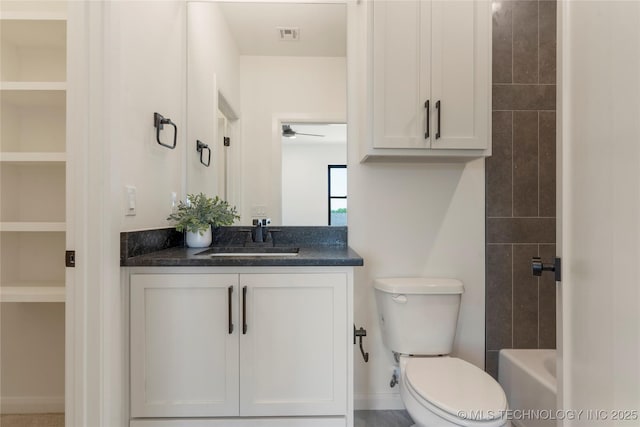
(198,214)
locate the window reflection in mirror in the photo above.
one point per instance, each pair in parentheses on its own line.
(238,51)
(337,193)
(309,150)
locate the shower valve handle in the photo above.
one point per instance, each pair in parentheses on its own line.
(537,267)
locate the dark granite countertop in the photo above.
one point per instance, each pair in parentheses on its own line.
(319,246)
(307,256)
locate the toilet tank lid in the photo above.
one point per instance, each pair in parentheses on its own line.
(419,285)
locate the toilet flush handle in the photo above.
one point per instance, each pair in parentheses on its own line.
(400,299)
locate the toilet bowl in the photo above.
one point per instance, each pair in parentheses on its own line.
(418,318)
(446,392)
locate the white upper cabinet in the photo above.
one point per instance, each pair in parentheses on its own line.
(401,74)
(429,67)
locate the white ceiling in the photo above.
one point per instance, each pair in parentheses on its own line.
(333,133)
(323,28)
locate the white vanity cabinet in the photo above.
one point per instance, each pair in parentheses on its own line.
(429,67)
(226,348)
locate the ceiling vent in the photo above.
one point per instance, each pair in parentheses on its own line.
(289,34)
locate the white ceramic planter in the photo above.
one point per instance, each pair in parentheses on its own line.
(197,240)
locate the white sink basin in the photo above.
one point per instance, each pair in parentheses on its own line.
(250,252)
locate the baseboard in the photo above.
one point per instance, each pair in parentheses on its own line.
(31,405)
(377,401)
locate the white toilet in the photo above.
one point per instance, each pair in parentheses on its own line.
(418,319)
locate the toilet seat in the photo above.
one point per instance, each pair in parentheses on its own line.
(451,387)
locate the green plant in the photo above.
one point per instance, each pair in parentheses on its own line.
(201,211)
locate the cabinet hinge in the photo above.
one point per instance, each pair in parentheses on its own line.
(70,258)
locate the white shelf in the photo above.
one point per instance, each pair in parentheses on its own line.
(33,226)
(36,98)
(33,157)
(28,86)
(33,9)
(33,16)
(28,293)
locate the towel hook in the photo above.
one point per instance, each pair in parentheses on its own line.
(200,147)
(158,123)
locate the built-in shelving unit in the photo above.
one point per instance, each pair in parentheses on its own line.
(33,57)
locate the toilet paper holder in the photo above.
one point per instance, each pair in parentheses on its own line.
(360,333)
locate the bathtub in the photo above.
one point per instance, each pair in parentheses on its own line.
(528,378)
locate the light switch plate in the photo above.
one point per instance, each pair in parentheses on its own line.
(130,200)
(174,202)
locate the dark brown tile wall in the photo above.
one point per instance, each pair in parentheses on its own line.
(521,203)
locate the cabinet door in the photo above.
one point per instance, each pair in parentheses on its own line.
(184,357)
(461,78)
(401,80)
(294,352)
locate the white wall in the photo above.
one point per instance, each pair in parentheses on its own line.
(416,220)
(305,181)
(142,71)
(304,89)
(146,73)
(32,355)
(214,66)
(409,220)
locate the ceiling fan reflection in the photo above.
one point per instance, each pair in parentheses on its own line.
(287,132)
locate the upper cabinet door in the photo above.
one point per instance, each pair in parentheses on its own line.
(184,353)
(401,76)
(430,78)
(460,72)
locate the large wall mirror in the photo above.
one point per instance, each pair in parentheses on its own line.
(267,92)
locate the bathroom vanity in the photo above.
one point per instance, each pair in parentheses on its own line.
(241,340)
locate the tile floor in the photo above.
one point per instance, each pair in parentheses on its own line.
(382,419)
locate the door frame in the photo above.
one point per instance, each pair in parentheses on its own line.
(598,338)
(94,362)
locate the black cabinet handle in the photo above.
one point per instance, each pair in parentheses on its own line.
(230,310)
(244,310)
(438,108)
(426,106)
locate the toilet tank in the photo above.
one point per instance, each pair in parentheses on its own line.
(418,315)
